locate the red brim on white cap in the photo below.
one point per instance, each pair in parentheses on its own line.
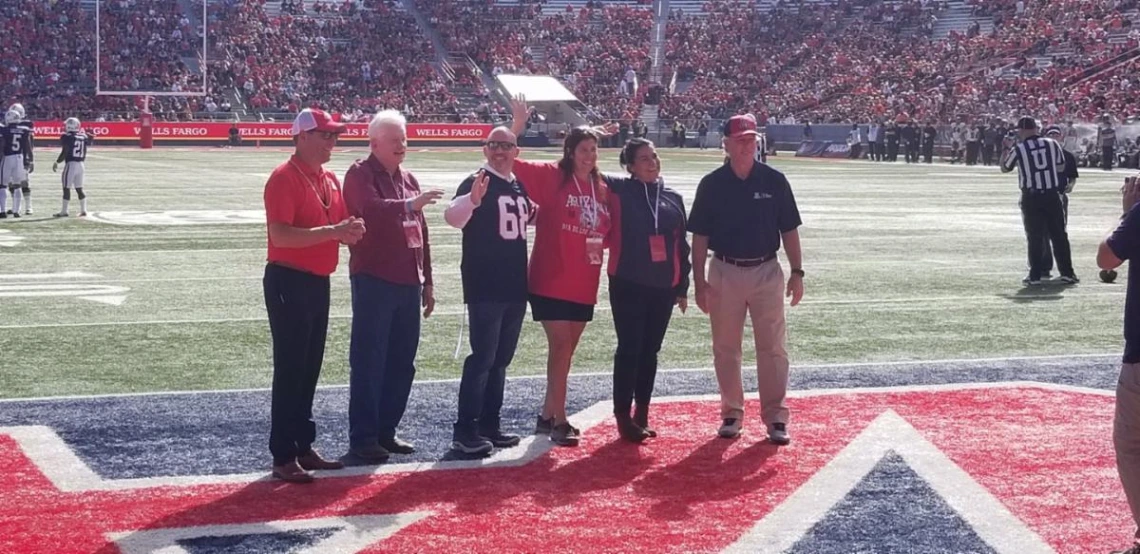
(316,120)
(332,127)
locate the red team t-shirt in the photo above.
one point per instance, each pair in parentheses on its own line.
(559,264)
(291,197)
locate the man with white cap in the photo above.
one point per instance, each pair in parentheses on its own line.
(307,221)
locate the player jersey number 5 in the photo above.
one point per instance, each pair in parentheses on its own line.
(512,225)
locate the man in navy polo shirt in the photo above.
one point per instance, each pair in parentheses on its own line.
(1124,244)
(742,212)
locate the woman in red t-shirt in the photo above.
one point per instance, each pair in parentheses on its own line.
(566,261)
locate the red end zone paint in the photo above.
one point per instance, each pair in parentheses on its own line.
(687,491)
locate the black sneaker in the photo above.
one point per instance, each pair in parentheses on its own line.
(629,430)
(730,429)
(778,434)
(501,439)
(562,435)
(472,444)
(396,445)
(3,215)
(641,418)
(543,426)
(1070,279)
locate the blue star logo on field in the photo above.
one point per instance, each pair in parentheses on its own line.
(949,468)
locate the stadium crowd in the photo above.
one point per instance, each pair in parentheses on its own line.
(858,61)
(844,61)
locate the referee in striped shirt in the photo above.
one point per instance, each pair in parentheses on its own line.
(1040,163)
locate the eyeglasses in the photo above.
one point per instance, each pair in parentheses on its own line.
(500,145)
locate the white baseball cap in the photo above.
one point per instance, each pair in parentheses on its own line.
(311,119)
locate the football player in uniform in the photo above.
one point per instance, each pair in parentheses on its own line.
(16,142)
(493,210)
(30,127)
(762,146)
(75,143)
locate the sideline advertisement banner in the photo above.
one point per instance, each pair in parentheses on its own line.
(823,149)
(811,149)
(212,131)
(836,150)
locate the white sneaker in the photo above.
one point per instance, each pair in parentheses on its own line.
(730,429)
(28,211)
(778,434)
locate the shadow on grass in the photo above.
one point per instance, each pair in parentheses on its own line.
(1047,291)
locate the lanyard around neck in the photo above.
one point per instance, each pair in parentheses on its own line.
(654,207)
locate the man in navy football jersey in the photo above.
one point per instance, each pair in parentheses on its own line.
(493,210)
(75,143)
(17,163)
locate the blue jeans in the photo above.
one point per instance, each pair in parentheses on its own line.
(495,328)
(382,354)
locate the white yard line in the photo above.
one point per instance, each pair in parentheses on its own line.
(965,362)
(457,310)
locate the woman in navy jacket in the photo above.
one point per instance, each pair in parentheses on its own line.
(649,273)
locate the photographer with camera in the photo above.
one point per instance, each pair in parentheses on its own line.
(1124,244)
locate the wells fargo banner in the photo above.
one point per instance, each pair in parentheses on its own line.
(220,132)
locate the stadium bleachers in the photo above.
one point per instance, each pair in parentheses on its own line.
(787,60)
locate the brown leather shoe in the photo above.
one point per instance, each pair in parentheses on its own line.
(313,460)
(292,472)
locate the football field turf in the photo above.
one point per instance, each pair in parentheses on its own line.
(161,288)
(938,405)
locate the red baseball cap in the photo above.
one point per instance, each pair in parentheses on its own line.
(311,119)
(740,125)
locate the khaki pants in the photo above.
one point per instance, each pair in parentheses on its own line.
(1126,436)
(759,293)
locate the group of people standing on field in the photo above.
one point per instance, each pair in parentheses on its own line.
(742,213)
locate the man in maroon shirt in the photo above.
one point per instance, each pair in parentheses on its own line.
(390,270)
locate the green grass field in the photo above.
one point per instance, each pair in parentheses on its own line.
(903,263)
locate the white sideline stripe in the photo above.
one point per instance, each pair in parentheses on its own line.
(886,364)
(356,533)
(58,253)
(789,522)
(68,473)
(981,299)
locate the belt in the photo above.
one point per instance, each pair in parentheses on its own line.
(750,262)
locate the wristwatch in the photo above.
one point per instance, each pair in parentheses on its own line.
(798,271)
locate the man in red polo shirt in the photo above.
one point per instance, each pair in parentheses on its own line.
(391,279)
(307,220)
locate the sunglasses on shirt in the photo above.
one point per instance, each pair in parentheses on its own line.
(500,145)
